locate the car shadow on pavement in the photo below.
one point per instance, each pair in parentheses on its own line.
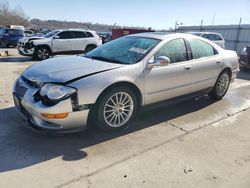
(21,148)
(15,59)
(244,75)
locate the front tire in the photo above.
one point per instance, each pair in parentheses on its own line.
(116,109)
(221,86)
(3,44)
(42,53)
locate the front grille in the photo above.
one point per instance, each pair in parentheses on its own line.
(20,89)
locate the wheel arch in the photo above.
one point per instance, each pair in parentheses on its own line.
(43,45)
(130,85)
(227,69)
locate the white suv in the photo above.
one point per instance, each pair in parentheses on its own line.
(214,37)
(70,41)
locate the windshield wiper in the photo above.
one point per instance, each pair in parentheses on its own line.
(105,59)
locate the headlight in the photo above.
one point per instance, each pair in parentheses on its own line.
(56,92)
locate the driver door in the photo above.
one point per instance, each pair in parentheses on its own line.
(175,79)
(62,42)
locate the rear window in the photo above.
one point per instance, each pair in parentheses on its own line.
(201,49)
(212,37)
(14,32)
(89,34)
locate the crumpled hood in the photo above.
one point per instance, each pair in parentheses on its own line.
(27,39)
(66,69)
(41,41)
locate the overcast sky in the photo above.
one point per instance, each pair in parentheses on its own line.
(157,14)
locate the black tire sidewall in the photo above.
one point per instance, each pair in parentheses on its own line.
(99,108)
(36,53)
(90,48)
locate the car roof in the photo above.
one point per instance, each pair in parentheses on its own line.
(161,35)
(77,29)
(200,32)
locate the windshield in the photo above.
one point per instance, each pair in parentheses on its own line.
(125,50)
(50,34)
(14,32)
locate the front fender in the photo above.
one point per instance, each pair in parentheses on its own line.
(89,88)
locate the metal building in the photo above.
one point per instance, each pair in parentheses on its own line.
(236,36)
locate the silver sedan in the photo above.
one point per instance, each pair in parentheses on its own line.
(112,82)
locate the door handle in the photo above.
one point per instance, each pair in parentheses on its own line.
(218,62)
(188,67)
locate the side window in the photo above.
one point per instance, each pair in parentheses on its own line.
(89,34)
(66,35)
(79,34)
(218,37)
(175,50)
(201,49)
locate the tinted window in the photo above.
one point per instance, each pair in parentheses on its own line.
(217,37)
(66,35)
(89,34)
(14,32)
(201,49)
(79,34)
(175,50)
(212,37)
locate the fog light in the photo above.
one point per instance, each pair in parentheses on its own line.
(55,116)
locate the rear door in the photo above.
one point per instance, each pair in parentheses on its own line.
(63,43)
(207,63)
(79,41)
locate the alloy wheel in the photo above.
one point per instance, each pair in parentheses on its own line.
(118,109)
(222,84)
(43,53)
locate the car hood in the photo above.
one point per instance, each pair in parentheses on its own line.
(66,69)
(42,40)
(27,39)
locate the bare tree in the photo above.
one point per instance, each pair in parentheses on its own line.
(14,16)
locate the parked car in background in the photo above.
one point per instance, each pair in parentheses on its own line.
(106,36)
(28,33)
(69,41)
(215,37)
(20,27)
(245,58)
(110,83)
(10,37)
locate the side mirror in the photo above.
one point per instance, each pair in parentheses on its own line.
(159,62)
(56,37)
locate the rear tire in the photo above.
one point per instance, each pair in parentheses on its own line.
(90,48)
(221,86)
(116,109)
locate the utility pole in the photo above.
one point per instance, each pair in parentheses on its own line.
(201,25)
(175,27)
(213,19)
(237,35)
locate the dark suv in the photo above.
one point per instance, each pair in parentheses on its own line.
(245,58)
(10,37)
